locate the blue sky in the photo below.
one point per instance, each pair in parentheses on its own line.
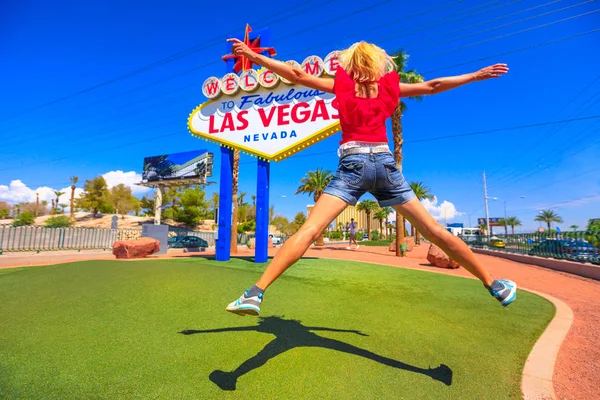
(50,51)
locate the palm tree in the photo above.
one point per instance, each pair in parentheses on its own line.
(314,183)
(44,206)
(63,206)
(19,207)
(410,76)
(52,209)
(381,215)
(74,180)
(215,200)
(368,206)
(388,210)
(234,192)
(390,228)
(240,198)
(548,216)
(512,222)
(504,223)
(253,197)
(422,192)
(57,193)
(574,227)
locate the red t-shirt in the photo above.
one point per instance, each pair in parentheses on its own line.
(363,119)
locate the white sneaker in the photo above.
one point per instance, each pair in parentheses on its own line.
(348,248)
(357,247)
(246,305)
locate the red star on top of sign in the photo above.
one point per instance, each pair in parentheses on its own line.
(243,63)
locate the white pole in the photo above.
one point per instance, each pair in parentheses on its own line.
(157,204)
(487,214)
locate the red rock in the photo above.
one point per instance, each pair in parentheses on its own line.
(140,248)
(437,257)
(410,241)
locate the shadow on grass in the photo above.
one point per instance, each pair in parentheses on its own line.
(290,334)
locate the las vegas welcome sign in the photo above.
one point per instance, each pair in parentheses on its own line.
(263,114)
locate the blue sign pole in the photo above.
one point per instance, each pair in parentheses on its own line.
(223,251)
(263,179)
(262,211)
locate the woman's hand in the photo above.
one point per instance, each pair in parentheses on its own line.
(240,48)
(287,71)
(493,71)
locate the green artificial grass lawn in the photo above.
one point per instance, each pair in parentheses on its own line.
(108,329)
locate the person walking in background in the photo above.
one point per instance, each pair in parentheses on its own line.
(352,229)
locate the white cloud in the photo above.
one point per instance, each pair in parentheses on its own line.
(446,211)
(113,178)
(17,192)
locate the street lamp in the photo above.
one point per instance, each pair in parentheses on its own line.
(487,214)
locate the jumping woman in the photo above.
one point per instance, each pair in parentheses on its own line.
(367,89)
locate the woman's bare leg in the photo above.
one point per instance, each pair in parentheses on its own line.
(327,208)
(450,244)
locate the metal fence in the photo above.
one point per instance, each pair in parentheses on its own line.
(37,238)
(573,246)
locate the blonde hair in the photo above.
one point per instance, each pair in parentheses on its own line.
(366,62)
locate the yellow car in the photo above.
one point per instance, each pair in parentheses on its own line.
(499,243)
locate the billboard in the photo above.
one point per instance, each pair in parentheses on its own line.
(493,221)
(194,166)
(261,113)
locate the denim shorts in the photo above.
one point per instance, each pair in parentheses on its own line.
(376,173)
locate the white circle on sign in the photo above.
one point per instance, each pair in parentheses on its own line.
(268,78)
(211,88)
(249,80)
(313,65)
(331,62)
(230,83)
(293,64)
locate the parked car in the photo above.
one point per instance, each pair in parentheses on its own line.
(570,249)
(181,242)
(275,239)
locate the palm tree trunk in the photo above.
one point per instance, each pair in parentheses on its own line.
(397,134)
(417,238)
(72,204)
(320,241)
(512,227)
(368,225)
(234,191)
(549,226)
(387,228)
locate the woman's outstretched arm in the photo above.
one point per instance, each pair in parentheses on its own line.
(289,72)
(442,84)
